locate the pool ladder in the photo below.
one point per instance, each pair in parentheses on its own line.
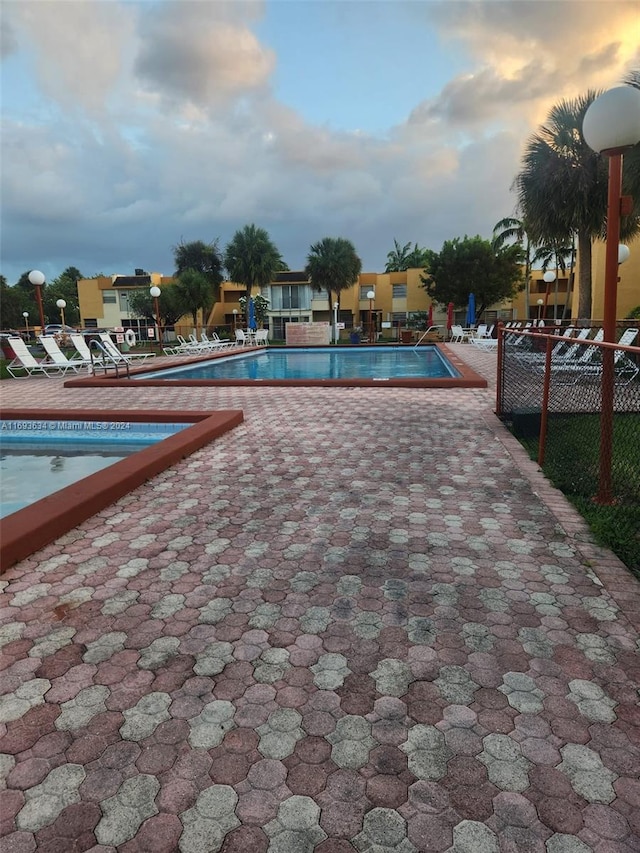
(105,360)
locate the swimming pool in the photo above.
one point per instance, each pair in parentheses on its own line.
(40,457)
(376,364)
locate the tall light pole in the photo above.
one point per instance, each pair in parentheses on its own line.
(25,314)
(549,277)
(335,322)
(540,303)
(371,296)
(611,126)
(235,320)
(37,280)
(61,304)
(154,292)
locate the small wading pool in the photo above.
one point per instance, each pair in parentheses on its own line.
(149,440)
(40,457)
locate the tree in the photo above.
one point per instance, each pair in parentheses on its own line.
(142,304)
(333,265)
(252,259)
(194,294)
(510,230)
(13,302)
(562,188)
(472,265)
(65,286)
(201,257)
(402,258)
(555,256)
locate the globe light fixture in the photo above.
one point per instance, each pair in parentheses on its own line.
(611,126)
(61,304)
(37,280)
(25,314)
(154,292)
(371,295)
(540,304)
(335,322)
(623,253)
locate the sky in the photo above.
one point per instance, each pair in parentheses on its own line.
(128,127)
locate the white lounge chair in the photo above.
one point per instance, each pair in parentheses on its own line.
(24,364)
(458,335)
(262,337)
(623,365)
(54,355)
(114,353)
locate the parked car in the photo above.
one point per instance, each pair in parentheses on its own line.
(57,329)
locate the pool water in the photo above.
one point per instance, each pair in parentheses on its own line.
(37,458)
(376,363)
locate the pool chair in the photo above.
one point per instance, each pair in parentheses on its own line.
(485,344)
(24,364)
(54,355)
(591,367)
(458,335)
(183,347)
(217,342)
(115,355)
(241,338)
(262,338)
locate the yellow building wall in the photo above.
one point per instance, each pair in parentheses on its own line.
(628,296)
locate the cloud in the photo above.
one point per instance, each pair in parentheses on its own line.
(202,52)
(8,40)
(79,47)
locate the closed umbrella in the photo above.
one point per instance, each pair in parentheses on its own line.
(252,315)
(450,315)
(471,311)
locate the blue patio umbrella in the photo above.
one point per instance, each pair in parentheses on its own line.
(471,311)
(252,315)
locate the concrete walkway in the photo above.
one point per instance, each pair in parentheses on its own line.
(362,621)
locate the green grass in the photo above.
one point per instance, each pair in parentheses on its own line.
(572,464)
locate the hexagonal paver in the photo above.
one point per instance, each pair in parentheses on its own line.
(212,723)
(280,733)
(45,801)
(587,774)
(28,695)
(207,823)
(427,751)
(384,830)
(392,677)
(80,710)
(506,765)
(146,715)
(296,829)
(592,701)
(127,809)
(330,671)
(521,692)
(351,742)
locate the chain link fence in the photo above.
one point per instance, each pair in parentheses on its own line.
(551,391)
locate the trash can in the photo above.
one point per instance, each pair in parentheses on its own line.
(406,336)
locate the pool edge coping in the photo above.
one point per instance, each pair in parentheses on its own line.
(31,528)
(468,377)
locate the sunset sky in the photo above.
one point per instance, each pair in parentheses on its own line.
(129,126)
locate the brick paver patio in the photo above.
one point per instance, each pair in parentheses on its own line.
(361,621)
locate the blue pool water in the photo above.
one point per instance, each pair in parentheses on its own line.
(37,458)
(377,363)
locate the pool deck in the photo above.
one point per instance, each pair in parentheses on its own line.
(361,620)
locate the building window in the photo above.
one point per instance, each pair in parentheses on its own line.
(399,318)
(290,297)
(322,295)
(124,301)
(109,297)
(364,289)
(399,291)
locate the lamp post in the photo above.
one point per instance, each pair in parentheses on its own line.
(371,296)
(549,277)
(154,292)
(61,304)
(235,320)
(611,126)
(37,280)
(25,314)
(335,322)
(540,304)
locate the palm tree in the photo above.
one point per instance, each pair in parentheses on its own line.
(555,256)
(562,188)
(397,258)
(252,259)
(510,230)
(194,294)
(333,265)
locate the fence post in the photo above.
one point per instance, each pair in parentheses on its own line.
(542,439)
(499,363)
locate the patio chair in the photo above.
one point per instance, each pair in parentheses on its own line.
(241,338)
(458,335)
(623,365)
(54,355)
(24,364)
(262,337)
(114,353)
